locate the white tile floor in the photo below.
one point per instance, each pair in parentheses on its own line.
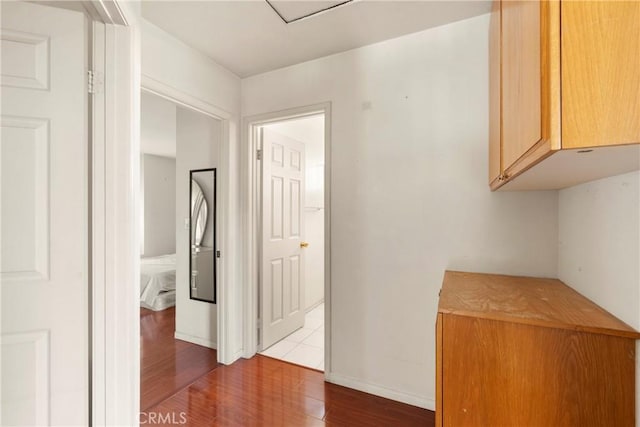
(306,345)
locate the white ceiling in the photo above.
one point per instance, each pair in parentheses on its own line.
(293,10)
(248,37)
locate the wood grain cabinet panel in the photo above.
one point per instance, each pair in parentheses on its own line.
(600,89)
(495,160)
(521,78)
(515,351)
(568,80)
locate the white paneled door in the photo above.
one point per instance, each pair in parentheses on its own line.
(282,269)
(44,211)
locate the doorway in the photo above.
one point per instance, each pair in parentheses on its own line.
(292,247)
(179,154)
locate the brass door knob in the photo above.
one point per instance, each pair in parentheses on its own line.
(304,244)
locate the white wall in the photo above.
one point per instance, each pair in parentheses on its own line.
(168,60)
(158,176)
(409,196)
(599,246)
(198,139)
(158,147)
(157,126)
(314,258)
(310,131)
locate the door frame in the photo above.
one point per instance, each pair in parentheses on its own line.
(114,329)
(114,213)
(182,99)
(251,174)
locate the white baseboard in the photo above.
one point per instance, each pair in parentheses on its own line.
(195,340)
(399,396)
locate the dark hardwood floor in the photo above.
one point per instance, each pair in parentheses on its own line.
(167,365)
(259,392)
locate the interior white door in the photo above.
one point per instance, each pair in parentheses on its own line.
(282,270)
(44,224)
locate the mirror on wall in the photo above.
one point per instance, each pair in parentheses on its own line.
(202,234)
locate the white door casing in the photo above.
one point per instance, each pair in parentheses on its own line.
(44,226)
(282,270)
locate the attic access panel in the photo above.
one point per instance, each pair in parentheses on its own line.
(292,11)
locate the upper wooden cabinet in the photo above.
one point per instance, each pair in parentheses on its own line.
(564,92)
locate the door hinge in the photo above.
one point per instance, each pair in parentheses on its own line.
(94,81)
(259,154)
(217,254)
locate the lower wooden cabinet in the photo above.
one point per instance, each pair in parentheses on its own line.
(515,351)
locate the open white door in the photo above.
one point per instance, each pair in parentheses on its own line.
(282,269)
(44,226)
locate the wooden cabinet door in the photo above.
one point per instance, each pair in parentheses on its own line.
(508,374)
(495,131)
(521,78)
(600,73)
